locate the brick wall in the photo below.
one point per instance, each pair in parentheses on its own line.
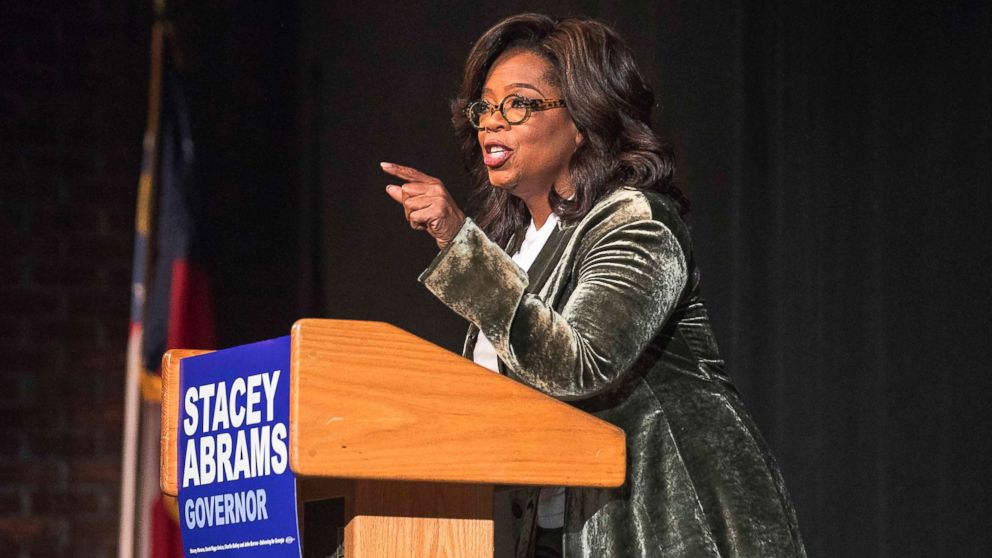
(73,79)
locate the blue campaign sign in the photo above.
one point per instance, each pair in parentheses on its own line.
(237,494)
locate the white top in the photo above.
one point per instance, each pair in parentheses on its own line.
(534,241)
(551,503)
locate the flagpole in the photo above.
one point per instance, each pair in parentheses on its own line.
(143,248)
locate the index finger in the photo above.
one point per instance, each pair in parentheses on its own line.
(408,173)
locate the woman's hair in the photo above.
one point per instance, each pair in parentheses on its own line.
(608,101)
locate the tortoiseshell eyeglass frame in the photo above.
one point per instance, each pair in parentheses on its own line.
(532,105)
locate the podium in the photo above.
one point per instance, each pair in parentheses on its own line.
(412,438)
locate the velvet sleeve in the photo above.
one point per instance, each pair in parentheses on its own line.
(628,273)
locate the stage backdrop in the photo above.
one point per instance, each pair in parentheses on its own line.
(838,158)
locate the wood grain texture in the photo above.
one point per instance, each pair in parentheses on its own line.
(393,519)
(406,519)
(169,451)
(371,401)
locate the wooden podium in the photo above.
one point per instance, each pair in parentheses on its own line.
(413,438)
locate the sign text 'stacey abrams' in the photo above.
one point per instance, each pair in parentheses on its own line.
(237,491)
(257,448)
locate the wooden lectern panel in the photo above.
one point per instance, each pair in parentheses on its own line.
(388,519)
(420,519)
(169,451)
(417,436)
(371,401)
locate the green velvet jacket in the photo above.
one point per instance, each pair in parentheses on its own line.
(610,319)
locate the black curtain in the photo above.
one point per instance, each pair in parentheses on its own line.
(241,64)
(859,319)
(839,160)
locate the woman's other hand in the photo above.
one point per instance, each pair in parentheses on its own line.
(426,203)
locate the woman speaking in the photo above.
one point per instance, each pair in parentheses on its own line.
(578,277)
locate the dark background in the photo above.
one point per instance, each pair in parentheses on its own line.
(837,154)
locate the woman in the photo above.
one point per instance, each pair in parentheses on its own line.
(578,277)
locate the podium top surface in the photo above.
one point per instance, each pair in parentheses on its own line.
(371,401)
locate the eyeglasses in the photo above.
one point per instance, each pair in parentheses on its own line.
(514,108)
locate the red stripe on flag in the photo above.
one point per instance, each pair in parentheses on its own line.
(191,316)
(166,541)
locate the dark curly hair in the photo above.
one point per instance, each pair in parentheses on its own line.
(608,101)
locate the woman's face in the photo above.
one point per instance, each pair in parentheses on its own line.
(529,158)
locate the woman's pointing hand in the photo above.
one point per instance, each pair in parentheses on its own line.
(426,203)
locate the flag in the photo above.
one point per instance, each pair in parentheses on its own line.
(171,303)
